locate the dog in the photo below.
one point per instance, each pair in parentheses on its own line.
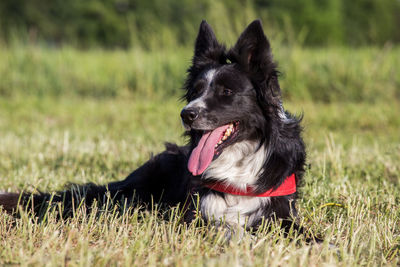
(245,159)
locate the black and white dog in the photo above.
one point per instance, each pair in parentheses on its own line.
(245,156)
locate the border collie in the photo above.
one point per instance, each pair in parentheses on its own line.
(245,157)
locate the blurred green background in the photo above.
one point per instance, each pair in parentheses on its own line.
(161,23)
(327,50)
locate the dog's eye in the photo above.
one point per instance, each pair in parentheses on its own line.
(198,87)
(227,92)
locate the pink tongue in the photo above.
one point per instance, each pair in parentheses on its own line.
(203,154)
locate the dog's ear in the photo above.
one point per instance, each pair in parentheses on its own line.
(252,47)
(205,40)
(207,52)
(253,52)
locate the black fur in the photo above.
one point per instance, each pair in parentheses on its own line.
(245,90)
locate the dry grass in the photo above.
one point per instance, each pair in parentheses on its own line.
(354,158)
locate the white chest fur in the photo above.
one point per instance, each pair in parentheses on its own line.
(232,209)
(238,165)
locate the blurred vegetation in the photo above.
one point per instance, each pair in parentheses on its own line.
(324,75)
(45,46)
(171,23)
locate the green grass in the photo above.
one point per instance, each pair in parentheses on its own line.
(94,116)
(354,158)
(323,75)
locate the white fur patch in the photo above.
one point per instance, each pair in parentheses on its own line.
(239,165)
(233,209)
(210,75)
(282,114)
(199,102)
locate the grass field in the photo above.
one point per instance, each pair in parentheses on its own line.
(321,74)
(46,141)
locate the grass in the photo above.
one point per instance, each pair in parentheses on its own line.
(354,158)
(94,116)
(323,75)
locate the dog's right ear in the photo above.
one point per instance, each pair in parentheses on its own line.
(205,41)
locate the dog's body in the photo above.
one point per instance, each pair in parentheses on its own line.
(240,136)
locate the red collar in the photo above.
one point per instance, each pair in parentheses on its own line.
(286,188)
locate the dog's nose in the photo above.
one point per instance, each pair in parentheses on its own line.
(189,115)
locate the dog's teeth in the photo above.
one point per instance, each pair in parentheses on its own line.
(220,142)
(225,137)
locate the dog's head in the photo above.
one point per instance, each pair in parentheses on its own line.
(232,95)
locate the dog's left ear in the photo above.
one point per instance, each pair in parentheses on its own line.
(252,45)
(253,52)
